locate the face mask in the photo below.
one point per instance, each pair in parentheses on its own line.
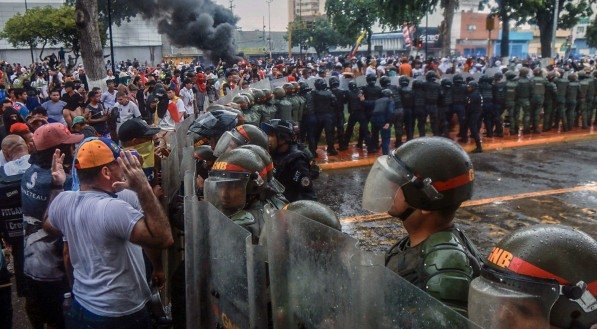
(146,150)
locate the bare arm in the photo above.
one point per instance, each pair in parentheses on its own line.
(68,266)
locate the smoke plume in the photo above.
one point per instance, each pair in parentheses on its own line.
(194,23)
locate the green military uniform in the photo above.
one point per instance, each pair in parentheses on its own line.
(283,106)
(259,105)
(269,109)
(594,94)
(582,108)
(561,97)
(443,265)
(250,115)
(510,102)
(551,94)
(524,94)
(572,96)
(531,119)
(253,216)
(302,103)
(291,97)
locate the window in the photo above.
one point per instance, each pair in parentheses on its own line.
(580,29)
(471,28)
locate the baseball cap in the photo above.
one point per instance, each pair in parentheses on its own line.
(52,135)
(96,152)
(77,119)
(135,128)
(19,128)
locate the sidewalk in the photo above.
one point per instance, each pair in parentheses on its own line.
(354,157)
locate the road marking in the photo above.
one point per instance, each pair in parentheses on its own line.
(479,202)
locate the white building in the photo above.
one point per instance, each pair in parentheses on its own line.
(305,9)
(136,39)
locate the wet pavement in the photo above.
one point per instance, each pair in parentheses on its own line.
(508,172)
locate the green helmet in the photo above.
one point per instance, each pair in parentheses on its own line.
(268,94)
(240,100)
(259,96)
(240,135)
(288,88)
(235,177)
(582,75)
(573,77)
(510,75)
(537,72)
(265,157)
(385,81)
(315,211)
(544,274)
(523,72)
(414,168)
(279,92)
(250,97)
(296,86)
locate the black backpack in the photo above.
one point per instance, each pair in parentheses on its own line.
(11,222)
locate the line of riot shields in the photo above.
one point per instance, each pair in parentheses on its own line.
(302,274)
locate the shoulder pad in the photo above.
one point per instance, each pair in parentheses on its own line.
(243,218)
(447,266)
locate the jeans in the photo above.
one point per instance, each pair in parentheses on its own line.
(77,317)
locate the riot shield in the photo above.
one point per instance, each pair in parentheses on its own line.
(170,171)
(321,279)
(262,84)
(278,82)
(361,81)
(226,285)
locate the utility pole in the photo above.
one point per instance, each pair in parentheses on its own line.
(269,23)
(301,27)
(30,45)
(231,5)
(111,38)
(554,49)
(426,34)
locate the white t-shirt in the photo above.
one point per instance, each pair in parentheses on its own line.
(108,99)
(167,123)
(187,99)
(126,112)
(109,272)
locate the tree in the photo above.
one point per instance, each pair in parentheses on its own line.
(122,11)
(318,34)
(351,17)
(542,12)
(42,27)
(591,34)
(89,35)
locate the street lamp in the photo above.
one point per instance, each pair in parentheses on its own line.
(30,45)
(111,39)
(269,23)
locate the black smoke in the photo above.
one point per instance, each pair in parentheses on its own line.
(194,23)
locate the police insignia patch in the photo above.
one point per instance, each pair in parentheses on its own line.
(305,181)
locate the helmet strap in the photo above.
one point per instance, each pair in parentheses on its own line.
(406,213)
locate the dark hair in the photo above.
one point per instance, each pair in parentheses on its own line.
(89,175)
(39,110)
(92,93)
(19,91)
(120,94)
(69,84)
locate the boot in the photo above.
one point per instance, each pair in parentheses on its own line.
(479,148)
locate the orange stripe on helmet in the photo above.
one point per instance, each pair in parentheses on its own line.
(454,182)
(224,166)
(241,130)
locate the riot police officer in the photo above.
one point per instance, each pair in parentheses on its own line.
(445,105)
(410,185)
(572,96)
(539,89)
(459,92)
(269,109)
(499,104)
(511,109)
(239,136)
(250,115)
(487,113)
(211,125)
(283,106)
(356,113)
(386,83)
(524,94)
(432,94)
(339,111)
(541,276)
(322,103)
(294,168)
(419,106)
(382,117)
(300,99)
(582,107)
(562,97)
(407,99)
(307,119)
(551,93)
(371,92)
(315,211)
(291,97)
(259,106)
(473,113)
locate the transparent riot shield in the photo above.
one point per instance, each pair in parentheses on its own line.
(170,171)
(278,82)
(262,84)
(319,278)
(226,282)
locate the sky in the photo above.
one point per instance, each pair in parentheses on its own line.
(252,13)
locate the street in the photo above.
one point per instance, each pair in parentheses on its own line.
(561,177)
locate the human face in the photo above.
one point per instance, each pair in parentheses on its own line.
(113,173)
(399,206)
(123,100)
(273,142)
(55,96)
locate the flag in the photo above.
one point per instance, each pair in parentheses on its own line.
(358,44)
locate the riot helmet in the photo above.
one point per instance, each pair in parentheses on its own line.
(404,81)
(272,182)
(431,76)
(249,97)
(214,122)
(572,77)
(268,94)
(498,76)
(387,93)
(283,129)
(240,135)
(304,87)
(242,101)
(296,86)
(236,177)
(484,79)
(371,78)
(418,84)
(458,79)
(288,88)
(352,86)
(204,159)
(259,96)
(385,81)
(510,75)
(414,169)
(537,72)
(446,83)
(334,82)
(320,84)
(523,72)
(539,276)
(279,92)
(315,211)
(472,86)
(582,75)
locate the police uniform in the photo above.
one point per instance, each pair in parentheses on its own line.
(322,103)
(293,170)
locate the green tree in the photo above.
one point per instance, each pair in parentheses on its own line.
(318,34)
(122,11)
(42,27)
(591,34)
(541,12)
(351,17)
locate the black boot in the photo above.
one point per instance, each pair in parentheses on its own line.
(479,148)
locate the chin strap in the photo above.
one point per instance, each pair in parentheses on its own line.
(404,215)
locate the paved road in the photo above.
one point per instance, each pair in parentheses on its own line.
(500,173)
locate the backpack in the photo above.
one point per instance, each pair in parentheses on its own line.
(11,223)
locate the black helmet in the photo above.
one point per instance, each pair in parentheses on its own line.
(414,168)
(418,84)
(236,175)
(431,76)
(320,84)
(334,82)
(283,129)
(304,87)
(498,76)
(484,79)
(457,78)
(510,75)
(549,269)
(387,93)
(473,85)
(371,78)
(352,86)
(214,122)
(403,81)
(315,211)
(446,83)
(240,135)
(288,88)
(385,81)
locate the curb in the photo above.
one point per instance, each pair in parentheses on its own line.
(490,144)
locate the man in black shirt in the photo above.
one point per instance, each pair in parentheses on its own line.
(74,102)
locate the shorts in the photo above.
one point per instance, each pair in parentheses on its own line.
(43,302)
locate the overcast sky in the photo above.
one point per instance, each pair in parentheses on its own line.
(252,13)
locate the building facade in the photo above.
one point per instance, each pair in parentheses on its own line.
(307,10)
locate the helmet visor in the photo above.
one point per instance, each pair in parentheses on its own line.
(385,178)
(499,301)
(226,143)
(226,192)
